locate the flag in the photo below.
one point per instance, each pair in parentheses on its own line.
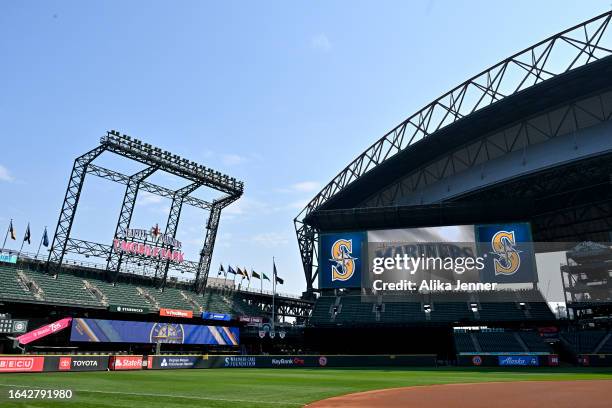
(240,272)
(255,275)
(45,238)
(26,237)
(246,273)
(278,280)
(12,231)
(231,270)
(265,277)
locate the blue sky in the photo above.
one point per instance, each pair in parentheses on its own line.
(281,95)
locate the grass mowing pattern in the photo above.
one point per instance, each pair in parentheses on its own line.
(254,387)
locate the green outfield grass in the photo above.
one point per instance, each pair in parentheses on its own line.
(241,388)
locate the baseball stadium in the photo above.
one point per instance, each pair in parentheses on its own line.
(427,265)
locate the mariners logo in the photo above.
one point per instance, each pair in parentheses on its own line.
(507,259)
(344,267)
(167,333)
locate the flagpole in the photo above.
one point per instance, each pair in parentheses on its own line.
(273,290)
(41,241)
(22,242)
(6,235)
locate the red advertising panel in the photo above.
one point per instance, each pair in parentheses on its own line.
(553,360)
(176,313)
(21,364)
(45,331)
(126,363)
(65,363)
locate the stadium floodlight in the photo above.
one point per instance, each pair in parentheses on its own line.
(155,159)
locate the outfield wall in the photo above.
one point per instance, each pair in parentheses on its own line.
(594,360)
(296,361)
(508,360)
(55,363)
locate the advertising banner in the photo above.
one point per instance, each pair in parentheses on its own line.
(455,258)
(173,362)
(76,363)
(511,258)
(341,258)
(520,361)
(297,361)
(44,331)
(251,320)
(8,258)
(553,360)
(595,360)
(441,254)
(176,313)
(21,364)
(119,331)
(125,363)
(216,316)
(288,361)
(127,309)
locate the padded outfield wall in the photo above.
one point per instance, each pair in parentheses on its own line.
(59,363)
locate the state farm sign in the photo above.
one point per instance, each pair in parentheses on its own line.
(21,364)
(126,363)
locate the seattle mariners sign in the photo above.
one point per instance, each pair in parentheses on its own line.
(341,259)
(508,253)
(439,258)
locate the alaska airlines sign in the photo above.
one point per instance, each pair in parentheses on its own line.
(150,247)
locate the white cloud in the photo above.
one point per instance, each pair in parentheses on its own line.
(298,205)
(320,42)
(301,187)
(306,186)
(271,239)
(232,159)
(5,175)
(246,206)
(146,198)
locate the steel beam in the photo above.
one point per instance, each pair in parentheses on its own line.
(146,186)
(155,159)
(115,258)
(152,156)
(69,207)
(212,225)
(577,46)
(173,219)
